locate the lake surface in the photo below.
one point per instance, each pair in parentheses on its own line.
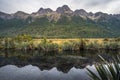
(35,65)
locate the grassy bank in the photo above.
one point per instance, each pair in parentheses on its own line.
(26,42)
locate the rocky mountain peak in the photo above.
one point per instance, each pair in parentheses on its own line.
(21,15)
(65,7)
(90,14)
(44,11)
(64,10)
(55,15)
(20,12)
(80,12)
(100,14)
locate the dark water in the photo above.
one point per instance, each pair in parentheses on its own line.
(35,65)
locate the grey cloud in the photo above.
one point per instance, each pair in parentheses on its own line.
(91,3)
(107,6)
(99,2)
(11,6)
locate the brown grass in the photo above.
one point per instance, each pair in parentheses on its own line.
(61,41)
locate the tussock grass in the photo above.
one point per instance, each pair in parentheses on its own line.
(26,42)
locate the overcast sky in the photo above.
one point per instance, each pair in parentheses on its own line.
(29,6)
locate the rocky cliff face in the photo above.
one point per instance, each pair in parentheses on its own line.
(44,11)
(64,10)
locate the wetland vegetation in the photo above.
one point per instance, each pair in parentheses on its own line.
(26,42)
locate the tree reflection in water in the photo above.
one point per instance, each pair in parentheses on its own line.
(63,61)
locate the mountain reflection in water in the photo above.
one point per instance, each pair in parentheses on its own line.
(35,65)
(29,72)
(62,61)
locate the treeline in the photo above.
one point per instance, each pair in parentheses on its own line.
(26,42)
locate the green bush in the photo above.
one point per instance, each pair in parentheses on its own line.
(48,46)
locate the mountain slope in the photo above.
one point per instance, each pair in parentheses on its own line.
(62,23)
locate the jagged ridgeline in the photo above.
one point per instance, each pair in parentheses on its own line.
(62,23)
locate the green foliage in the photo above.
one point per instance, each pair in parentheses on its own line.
(19,42)
(73,45)
(64,20)
(94,46)
(47,46)
(43,21)
(69,46)
(111,45)
(108,71)
(23,38)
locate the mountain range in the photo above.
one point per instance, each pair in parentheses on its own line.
(62,23)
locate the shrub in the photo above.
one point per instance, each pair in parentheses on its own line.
(48,46)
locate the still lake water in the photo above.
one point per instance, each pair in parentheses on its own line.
(35,65)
